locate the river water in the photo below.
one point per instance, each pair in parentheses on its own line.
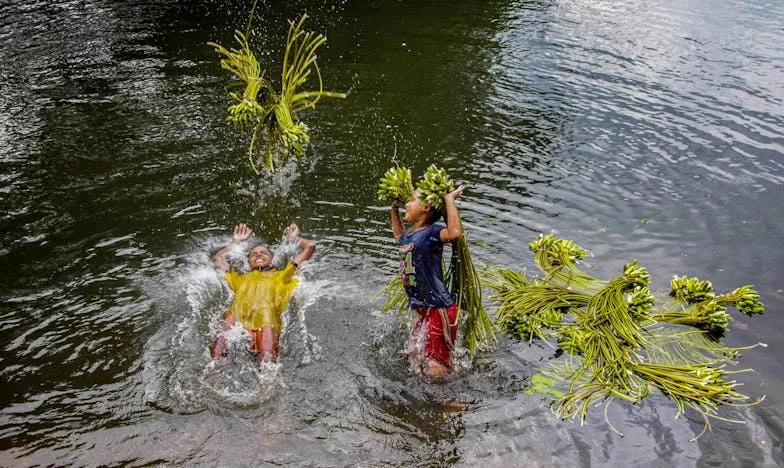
(647,130)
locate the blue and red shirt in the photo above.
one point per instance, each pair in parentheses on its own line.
(420,264)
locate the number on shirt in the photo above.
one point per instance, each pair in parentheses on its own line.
(408,268)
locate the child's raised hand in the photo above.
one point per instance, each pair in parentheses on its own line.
(242,232)
(455,193)
(291,232)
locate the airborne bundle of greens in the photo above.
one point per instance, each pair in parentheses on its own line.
(623,342)
(277,134)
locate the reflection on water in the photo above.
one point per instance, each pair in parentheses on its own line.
(119,176)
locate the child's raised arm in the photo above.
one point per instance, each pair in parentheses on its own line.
(397,223)
(241,233)
(454,228)
(307,245)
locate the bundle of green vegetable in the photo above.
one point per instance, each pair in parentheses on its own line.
(557,259)
(395,186)
(705,310)
(396,297)
(530,306)
(690,290)
(610,306)
(677,345)
(277,133)
(708,315)
(621,340)
(700,387)
(744,298)
(434,186)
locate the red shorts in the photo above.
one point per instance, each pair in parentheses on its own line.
(437,344)
(264,341)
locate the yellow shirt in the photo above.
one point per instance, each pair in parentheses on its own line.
(261,297)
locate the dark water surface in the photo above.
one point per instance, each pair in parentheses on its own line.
(647,130)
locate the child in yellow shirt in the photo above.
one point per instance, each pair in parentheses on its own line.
(261,295)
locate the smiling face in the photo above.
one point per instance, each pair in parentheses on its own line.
(259,258)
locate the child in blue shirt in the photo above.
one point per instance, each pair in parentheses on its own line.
(421,250)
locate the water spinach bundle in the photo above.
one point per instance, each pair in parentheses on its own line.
(395,186)
(623,342)
(271,117)
(695,304)
(461,279)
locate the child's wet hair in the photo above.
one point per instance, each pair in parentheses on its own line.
(258,243)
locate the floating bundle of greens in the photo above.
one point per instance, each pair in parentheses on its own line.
(271,117)
(530,306)
(622,343)
(696,305)
(461,279)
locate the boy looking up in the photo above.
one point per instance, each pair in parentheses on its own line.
(421,250)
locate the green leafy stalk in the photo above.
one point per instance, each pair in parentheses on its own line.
(395,186)
(434,186)
(462,279)
(396,297)
(690,290)
(557,258)
(276,131)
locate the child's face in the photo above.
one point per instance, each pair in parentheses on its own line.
(415,210)
(259,258)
